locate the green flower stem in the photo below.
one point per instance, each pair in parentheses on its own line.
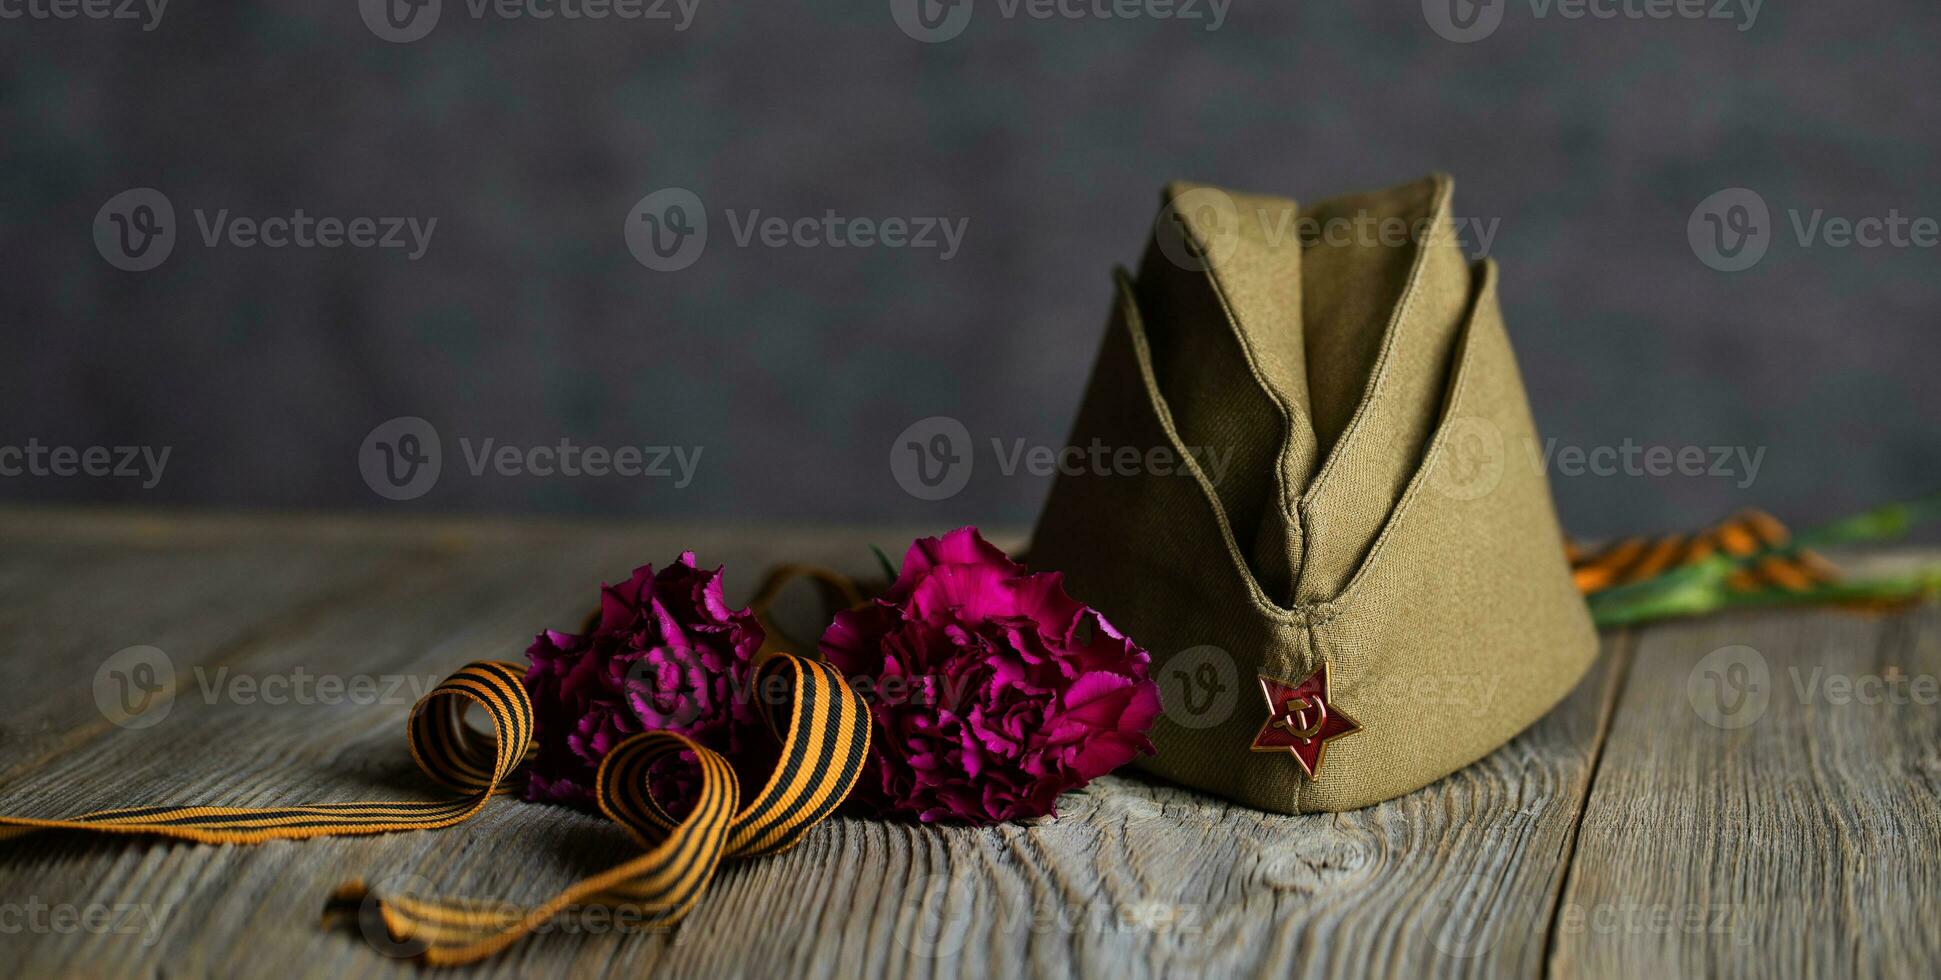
(883,562)
(1885,523)
(1700,587)
(1924,584)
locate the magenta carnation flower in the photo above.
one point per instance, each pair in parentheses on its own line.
(992,690)
(665,652)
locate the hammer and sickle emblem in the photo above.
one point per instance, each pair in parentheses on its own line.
(1302,717)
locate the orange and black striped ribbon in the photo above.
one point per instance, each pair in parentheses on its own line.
(822,724)
(1635,559)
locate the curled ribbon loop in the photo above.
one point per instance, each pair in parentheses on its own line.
(822,723)
(447,750)
(824,727)
(460,756)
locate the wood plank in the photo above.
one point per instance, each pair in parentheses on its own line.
(1133,878)
(471,596)
(1795,838)
(65,608)
(1141,879)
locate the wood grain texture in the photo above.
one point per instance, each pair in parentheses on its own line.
(1814,827)
(1796,837)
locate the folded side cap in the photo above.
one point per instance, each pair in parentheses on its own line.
(1387,291)
(1301,334)
(1462,626)
(1451,577)
(1363,250)
(1098,524)
(1222,280)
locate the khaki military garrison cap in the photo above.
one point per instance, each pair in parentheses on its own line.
(1361,598)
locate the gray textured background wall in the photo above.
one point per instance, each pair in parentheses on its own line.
(1588,141)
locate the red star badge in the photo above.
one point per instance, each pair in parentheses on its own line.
(1301,720)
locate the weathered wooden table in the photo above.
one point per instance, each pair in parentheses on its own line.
(1623,835)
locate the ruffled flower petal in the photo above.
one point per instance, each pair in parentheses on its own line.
(994,690)
(665,653)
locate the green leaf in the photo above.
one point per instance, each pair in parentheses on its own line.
(889,570)
(1700,587)
(1882,523)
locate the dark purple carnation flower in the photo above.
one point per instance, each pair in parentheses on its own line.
(665,653)
(994,690)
